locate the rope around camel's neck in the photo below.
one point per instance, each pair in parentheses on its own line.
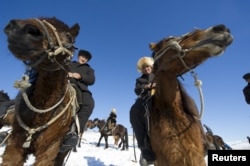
(23,85)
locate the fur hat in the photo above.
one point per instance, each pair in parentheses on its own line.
(246,76)
(85,53)
(113,111)
(144,61)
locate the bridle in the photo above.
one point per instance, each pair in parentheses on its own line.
(174,43)
(53,49)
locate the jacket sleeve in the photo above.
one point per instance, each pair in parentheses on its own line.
(88,76)
(140,86)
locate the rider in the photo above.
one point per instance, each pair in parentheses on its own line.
(111,121)
(248,138)
(81,76)
(246,90)
(138,120)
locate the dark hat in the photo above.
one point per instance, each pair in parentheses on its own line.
(246,76)
(85,54)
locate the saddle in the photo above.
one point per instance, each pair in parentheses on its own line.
(78,94)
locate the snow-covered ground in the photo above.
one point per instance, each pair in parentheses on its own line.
(90,155)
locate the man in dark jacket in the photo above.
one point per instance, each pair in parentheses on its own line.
(246,89)
(138,120)
(82,75)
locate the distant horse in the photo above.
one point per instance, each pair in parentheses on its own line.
(214,142)
(6,115)
(118,131)
(221,143)
(175,127)
(116,141)
(89,125)
(44,112)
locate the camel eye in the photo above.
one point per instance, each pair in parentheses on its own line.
(70,38)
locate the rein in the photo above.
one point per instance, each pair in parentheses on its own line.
(175,44)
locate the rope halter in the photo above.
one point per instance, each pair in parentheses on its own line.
(174,43)
(54,49)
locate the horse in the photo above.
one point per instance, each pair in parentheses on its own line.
(116,141)
(89,125)
(214,142)
(175,129)
(44,110)
(7,112)
(118,131)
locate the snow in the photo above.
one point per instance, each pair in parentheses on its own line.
(90,155)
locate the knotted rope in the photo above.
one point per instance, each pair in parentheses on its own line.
(198,84)
(22,85)
(61,49)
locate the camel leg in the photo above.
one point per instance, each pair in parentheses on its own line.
(12,155)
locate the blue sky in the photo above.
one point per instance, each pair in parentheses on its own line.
(117,33)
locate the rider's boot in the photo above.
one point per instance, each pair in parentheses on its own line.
(70,140)
(147,155)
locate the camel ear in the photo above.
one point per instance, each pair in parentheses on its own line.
(74,30)
(152,46)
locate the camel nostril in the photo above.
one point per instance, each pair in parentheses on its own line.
(32,30)
(12,25)
(219,28)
